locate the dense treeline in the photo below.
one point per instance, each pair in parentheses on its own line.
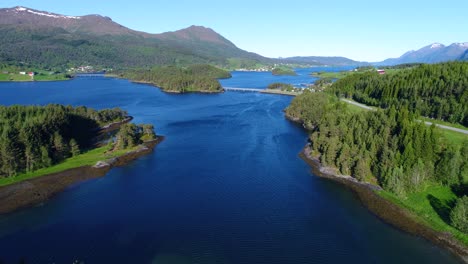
(208,71)
(388,147)
(34,137)
(131,135)
(280,86)
(438,91)
(283,71)
(402,66)
(196,78)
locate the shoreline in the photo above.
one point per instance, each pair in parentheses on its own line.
(28,81)
(37,190)
(172,91)
(387,211)
(279,92)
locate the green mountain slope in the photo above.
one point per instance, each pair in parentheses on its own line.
(38,37)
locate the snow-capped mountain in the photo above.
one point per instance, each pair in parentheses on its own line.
(432,53)
(35,19)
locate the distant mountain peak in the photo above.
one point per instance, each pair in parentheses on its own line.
(408,53)
(437,45)
(199,33)
(461,44)
(21,9)
(433,53)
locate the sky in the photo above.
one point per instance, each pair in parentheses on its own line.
(362,30)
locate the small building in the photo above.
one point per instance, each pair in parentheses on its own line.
(22,73)
(31,74)
(381,71)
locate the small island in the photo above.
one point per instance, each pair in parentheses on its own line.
(45,149)
(201,78)
(283,71)
(281,86)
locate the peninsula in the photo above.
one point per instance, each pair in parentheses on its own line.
(44,149)
(401,168)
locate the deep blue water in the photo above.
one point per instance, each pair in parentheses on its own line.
(225,186)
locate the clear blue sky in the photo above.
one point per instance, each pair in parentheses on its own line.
(361,29)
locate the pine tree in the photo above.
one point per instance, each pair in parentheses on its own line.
(459,214)
(74,148)
(45,158)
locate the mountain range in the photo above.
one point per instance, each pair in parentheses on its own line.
(336,60)
(38,37)
(47,39)
(433,53)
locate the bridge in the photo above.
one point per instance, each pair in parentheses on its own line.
(265,91)
(252,90)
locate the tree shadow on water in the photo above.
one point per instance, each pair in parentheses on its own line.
(443,208)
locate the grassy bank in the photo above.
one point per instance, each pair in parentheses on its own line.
(454,137)
(9,77)
(88,158)
(431,207)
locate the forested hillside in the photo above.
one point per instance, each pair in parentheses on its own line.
(437,91)
(195,78)
(55,47)
(386,147)
(46,40)
(34,137)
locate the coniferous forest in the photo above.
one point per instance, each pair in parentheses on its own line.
(34,137)
(195,78)
(389,147)
(437,91)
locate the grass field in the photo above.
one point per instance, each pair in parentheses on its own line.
(26,78)
(14,77)
(86,159)
(432,207)
(456,138)
(354,108)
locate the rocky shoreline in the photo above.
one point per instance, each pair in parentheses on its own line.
(38,190)
(385,209)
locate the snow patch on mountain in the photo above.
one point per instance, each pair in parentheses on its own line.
(22,9)
(436,45)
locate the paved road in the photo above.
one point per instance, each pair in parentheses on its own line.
(464,131)
(357,104)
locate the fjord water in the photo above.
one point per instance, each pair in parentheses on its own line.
(225,186)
